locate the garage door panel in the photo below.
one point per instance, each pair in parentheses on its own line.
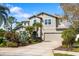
(52,37)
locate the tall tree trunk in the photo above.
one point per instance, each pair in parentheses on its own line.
(37,32)
(11,28)
(41,28)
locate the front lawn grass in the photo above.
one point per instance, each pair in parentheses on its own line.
(60,54)
(75,50)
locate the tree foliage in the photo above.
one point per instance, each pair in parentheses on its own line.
(2,32)
(4,15)
(68,37)
(75,24)
(37,25)
(71,10)
(30,29)
(11,20)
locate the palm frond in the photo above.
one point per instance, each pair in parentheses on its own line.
(4,8)
(1,21)
(5,14)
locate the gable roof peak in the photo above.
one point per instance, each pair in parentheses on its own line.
(42,14)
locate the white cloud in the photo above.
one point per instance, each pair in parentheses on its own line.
(25,15)
(18,12)
(22,15)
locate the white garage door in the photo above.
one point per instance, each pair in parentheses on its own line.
(52,36)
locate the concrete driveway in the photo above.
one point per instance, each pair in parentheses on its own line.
(40,49)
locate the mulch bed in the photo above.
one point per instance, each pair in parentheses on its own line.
(63,49)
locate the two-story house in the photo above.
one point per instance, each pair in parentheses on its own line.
(51,25)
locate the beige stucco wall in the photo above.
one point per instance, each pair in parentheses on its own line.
(52,26)
(32,20)
(45,28)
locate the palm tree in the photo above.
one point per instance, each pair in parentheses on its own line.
(10,21)
(30,30)
(4,15)
(37,26)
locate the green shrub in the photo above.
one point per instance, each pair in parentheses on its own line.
(32,41)
(11,44)
(3,44)
(1,30)
(2,34)
(68,37)
(23,37)
(1,40)
(11,36)
(64,44)
(6,43)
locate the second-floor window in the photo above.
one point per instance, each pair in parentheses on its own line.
(47,21)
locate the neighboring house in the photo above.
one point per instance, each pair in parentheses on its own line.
(21,28)
(52,25)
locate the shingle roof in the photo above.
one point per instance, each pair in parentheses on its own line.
(25,21)
(45,14)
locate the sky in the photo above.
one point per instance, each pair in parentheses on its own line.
(21,11)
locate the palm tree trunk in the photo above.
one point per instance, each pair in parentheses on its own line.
(37,32)
(11,28)
(30,38)
(41,29)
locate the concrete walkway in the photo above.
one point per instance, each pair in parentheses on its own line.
(40,49)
